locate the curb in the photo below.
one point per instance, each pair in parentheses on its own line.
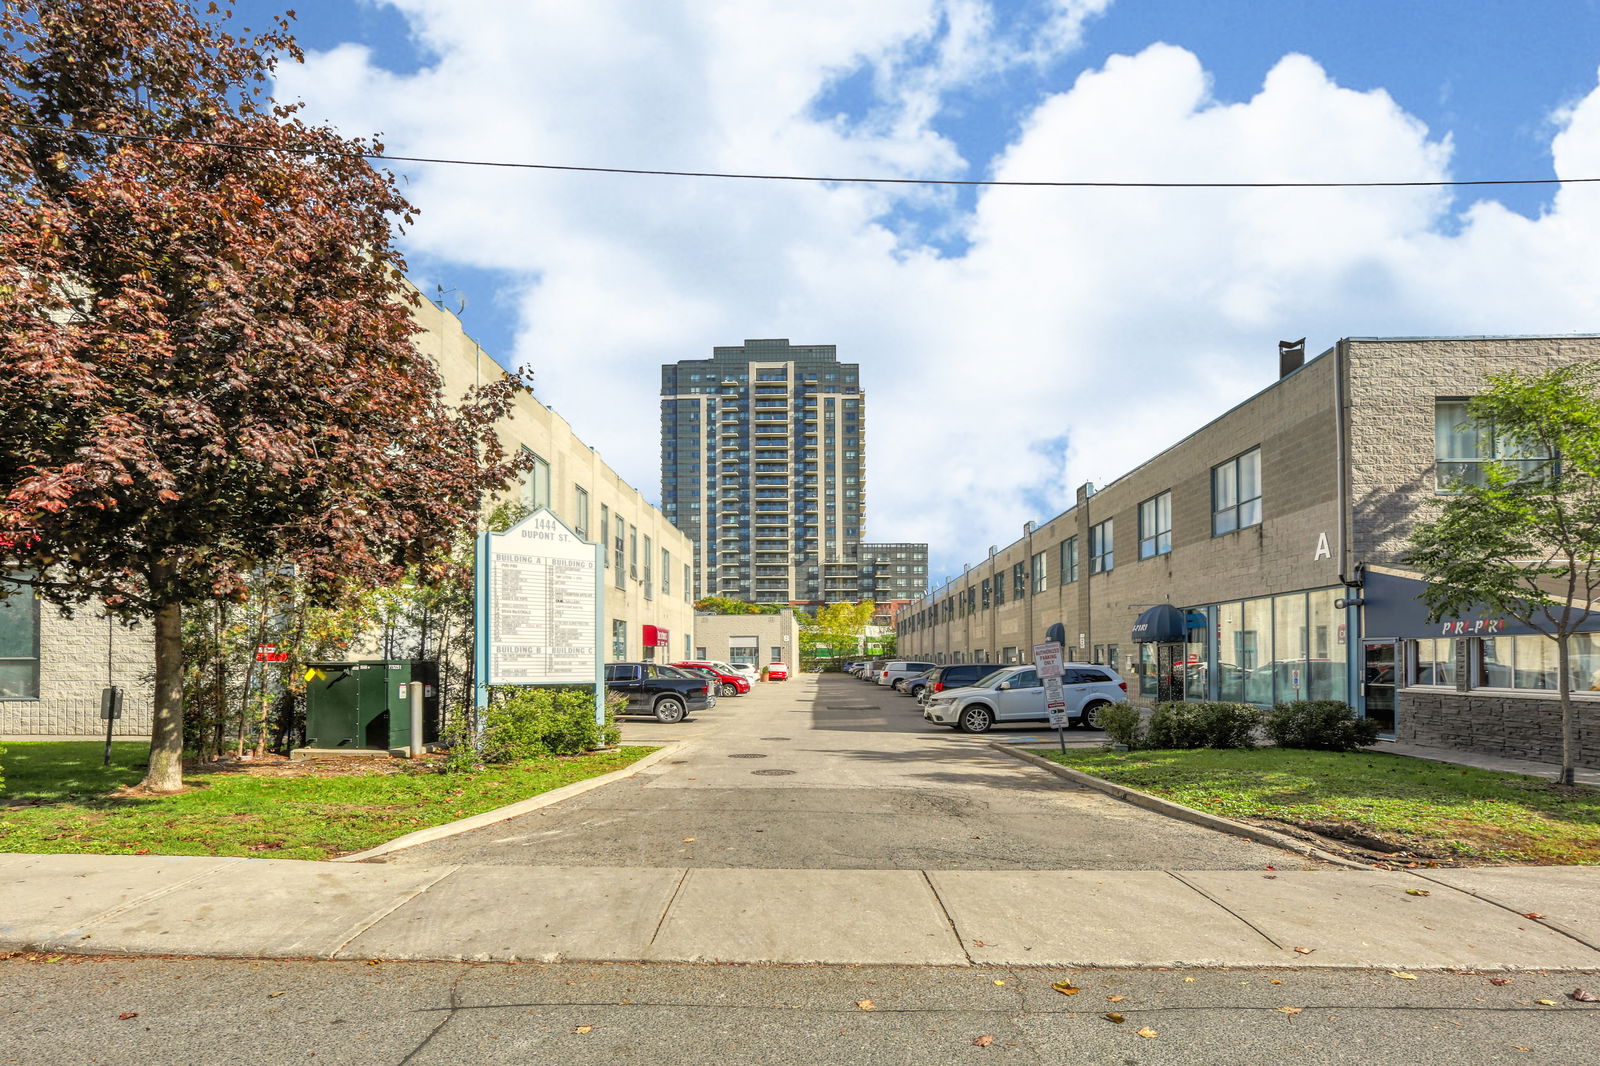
(1180,812)
(512,810)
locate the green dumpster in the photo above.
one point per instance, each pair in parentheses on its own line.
(367,704)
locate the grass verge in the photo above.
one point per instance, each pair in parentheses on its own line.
(58,798)
(1409,807)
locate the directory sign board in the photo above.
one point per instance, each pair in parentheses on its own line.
(541,611)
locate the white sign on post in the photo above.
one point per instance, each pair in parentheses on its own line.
(1047,661)
(543,590)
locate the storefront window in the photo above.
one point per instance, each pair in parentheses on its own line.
(1327,668)
(1255,651)
(1433,662)
(1291,680)
(1583,655)
(1518,662)
(1149,683)
(1230,670)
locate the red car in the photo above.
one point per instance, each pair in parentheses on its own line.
(727,684)
(777,672)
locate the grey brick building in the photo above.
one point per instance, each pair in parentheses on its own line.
(763,466)
(1260,559)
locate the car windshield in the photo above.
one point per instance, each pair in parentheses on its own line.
(993,678)
(673,671)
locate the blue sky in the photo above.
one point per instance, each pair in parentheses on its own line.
(605,278)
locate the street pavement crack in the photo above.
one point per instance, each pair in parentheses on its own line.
(450,1013)
(951,922)
(668,908)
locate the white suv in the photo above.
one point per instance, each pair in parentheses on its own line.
(1017,695)
(897,671)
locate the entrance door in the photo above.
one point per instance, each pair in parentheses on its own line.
(1378,682)
(1169,671)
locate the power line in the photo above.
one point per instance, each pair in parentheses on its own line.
(735,175)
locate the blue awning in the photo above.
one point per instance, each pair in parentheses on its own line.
(1162,624)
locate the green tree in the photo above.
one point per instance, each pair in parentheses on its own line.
(837,628)
(1523,539)
(729,605)
(201,302)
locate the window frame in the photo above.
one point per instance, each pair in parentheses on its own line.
(1068,552)
(31,691)
(1478,463)
(1102,547)
(1154,537)
(1236,510)
(580,516)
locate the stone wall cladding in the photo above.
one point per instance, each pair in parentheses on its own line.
(1493,724)
(1392,387)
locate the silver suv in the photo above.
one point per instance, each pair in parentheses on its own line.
(1016,694)
(896,672)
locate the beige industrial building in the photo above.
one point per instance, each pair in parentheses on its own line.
(52,669)
(756,639)
(1261,559)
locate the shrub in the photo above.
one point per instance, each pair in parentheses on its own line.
(526,723)
(1203,725)
(1123,725)
(1321,725)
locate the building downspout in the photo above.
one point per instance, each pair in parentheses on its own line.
(1354,653)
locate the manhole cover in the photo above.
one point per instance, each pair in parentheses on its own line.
(775,738)
(747,755)
(771,773)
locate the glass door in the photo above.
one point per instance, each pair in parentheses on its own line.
(1378,682)
(1170,666)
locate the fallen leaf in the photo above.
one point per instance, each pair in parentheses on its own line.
(1276,981)
(1519,1047)
(1270,877)
(1115,999)
(1533,914)
(979,944)
(1189,980)
(1269,867)
(1290,1010)
(275,995)
(1403,975)
(125,1015)
(984,1041)
(1305,951)
(584,1029)
(1147,1032)
(1113,1016)
(1499,980)
(1066,988)
(1418,892)
(866,1004)
(689,840)
(1545,1002)
(372,962)
(999,982)
(1584,997)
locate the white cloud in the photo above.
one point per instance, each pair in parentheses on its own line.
(1110,318)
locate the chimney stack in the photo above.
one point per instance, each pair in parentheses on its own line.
(1291,356)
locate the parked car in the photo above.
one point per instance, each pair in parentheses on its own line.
(748,671)
(896,671)
(659,691)
(777,672)
(957,675)
(728,682)
(872,670)
(1016,694)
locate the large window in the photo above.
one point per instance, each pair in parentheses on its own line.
(619,636)
(1039,575)
(1101,538)
(688,585)
(649,587)
(605,534)
(666,574)
(633,553)
(1463,451)
(580,522)
(1236,493)
(619,545)
(1433,662)
(536,482)
(1279,648)
(985,594)
(1019,581)
(1155,526)
(19,643)
(1069,560)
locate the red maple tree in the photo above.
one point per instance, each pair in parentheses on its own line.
(206,357)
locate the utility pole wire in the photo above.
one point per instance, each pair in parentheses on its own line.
(734,175)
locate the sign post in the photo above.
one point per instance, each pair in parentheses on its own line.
(1047,661)
(539,610)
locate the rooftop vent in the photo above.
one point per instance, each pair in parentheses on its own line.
(1291,356)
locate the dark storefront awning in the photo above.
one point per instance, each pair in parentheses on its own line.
(1161,624)
(1393,607)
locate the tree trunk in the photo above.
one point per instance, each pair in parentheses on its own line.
(1568,775)
(165,773)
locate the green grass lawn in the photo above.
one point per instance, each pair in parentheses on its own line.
(1432,810)
(55,799)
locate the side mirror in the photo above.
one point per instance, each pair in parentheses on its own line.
(1004,685)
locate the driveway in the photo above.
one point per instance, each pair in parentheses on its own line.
(829,773)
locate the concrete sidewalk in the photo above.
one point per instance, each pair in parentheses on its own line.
(263,908)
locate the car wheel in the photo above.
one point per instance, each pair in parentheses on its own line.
(898,686)
(976,720)
(1090,719)
(669,709)
(729,690)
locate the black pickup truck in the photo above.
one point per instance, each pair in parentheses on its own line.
(650,690)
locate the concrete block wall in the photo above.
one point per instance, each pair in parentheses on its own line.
(73,655)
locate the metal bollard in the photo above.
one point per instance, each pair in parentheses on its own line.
(416,719)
